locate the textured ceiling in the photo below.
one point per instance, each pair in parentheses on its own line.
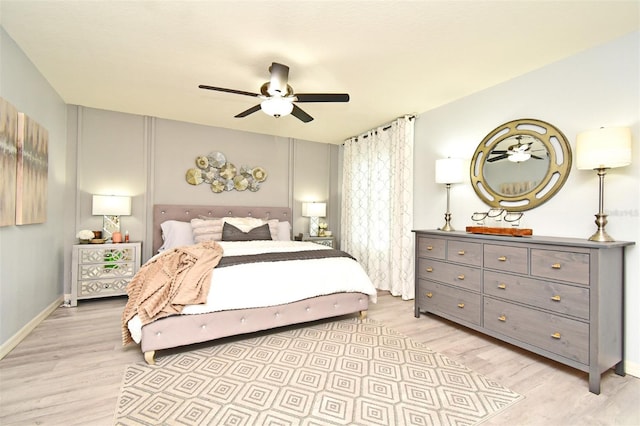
(392,57)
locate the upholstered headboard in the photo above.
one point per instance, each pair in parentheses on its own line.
(185,213)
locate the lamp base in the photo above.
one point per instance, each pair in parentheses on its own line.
(314,226)
(601,235)
(447,225)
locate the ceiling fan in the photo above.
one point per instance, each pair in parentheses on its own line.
(278,97)
(516,153)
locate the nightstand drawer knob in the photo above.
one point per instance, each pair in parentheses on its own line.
(502,286)
(502,318)
(429,295)
(429,269)
(461,277)
(556,335)
(461,252)
(461,305)
(555,298)
(429,248)
(556,266)
(502,258)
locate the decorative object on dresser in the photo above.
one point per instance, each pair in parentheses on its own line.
(562,298)
(111,207)
(221,175)
(520,164)
(103,270)
(449,171)
(314,211)
(602,149)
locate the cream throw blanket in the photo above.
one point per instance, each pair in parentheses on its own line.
(168,282)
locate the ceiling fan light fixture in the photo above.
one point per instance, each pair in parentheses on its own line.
(277,106)
(519,156)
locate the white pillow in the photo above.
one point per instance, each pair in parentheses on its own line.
(245,224)
(175,234)
(284,231)
(207,229)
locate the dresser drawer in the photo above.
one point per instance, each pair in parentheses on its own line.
(560,265)
(102,287)
(106,270)
(432,247)
(101,255)
(506,258)
(442,299)
(565,337)
(556,297)
(464,252)
(459,275)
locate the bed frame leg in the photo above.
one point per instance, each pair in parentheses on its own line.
(150,357)
(363,315)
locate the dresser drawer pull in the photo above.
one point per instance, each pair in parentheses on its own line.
(461,277)
(461,252)
(556,266)
(461,305)
(555,298)
(429,248)
(502,286)
(502,258)
(429,269)
(429,295)
(502,318)
(556,335)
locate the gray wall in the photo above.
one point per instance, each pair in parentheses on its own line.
(32,256)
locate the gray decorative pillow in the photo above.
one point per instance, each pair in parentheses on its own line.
(232,233)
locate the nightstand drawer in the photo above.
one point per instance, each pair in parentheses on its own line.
(560,265)
(432,247)
(556,297)
(463,276)
(102,287)
(565,337)
(464,252)
(442,299)
(506,258)
(106,270)
(101,255)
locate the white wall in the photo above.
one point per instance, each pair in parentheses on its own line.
(598,87)
(32,256)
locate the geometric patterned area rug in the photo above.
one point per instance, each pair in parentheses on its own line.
(346,372)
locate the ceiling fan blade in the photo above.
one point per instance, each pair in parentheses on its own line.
(322,97)
(249,111)
(222,89)
(499,151)
(300,114)
(499,157)
(537,157)
(279,79)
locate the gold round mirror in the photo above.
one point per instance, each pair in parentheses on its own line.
(520,164)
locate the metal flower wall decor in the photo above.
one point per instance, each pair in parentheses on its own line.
(221,175)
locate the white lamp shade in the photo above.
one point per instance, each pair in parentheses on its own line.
(277,106)
(450,170)
(111,205)
(314,209)
(604,148)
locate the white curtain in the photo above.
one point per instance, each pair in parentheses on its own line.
(377,205)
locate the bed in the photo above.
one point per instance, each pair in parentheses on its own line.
(251,306)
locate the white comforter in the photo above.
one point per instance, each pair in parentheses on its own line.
(275,283)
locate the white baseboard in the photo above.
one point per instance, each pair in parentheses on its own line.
(13,341)
(632,368)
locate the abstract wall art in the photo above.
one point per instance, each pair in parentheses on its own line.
(8,162)
(32,171)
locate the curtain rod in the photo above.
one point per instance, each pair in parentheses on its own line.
(384,127)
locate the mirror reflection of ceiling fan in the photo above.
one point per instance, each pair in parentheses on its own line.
(516,153)
(278,97)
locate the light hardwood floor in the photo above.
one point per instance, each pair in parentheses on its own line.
(68,371)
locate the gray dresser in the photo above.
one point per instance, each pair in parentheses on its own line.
(561,298)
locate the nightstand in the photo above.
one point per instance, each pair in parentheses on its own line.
(325,241)
(103,270)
